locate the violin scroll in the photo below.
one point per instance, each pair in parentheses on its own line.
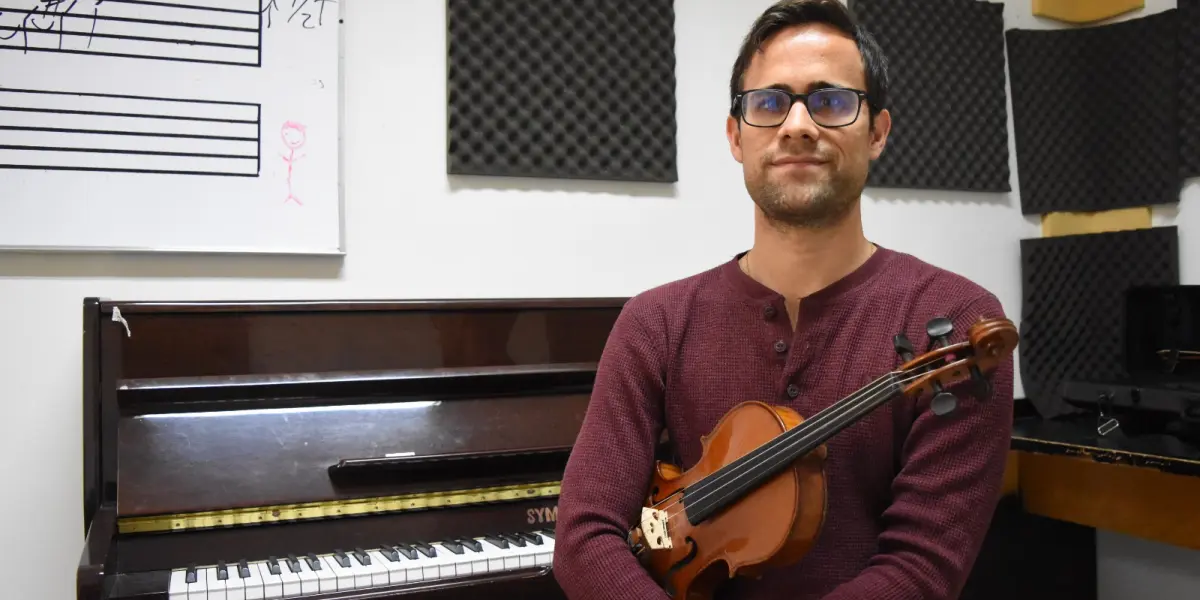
(988,342)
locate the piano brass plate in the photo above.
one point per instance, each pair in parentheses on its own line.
(336,508)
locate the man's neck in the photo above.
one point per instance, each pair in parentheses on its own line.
(798,262)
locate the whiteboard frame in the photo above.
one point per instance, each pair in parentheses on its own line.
(239,250)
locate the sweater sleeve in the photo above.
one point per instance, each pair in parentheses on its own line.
(946,491)
(608,473)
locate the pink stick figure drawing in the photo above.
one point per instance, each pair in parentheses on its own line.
(294,135)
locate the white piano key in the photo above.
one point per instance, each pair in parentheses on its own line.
(326,579)
(291,581)
(547,555)
(345,579)
(395,569)
(253,583)
(309,584)
(178,588)
(494,556)
(235,588)
(376,574)
(477,560)
(272,583)
(198,589)
(216,587)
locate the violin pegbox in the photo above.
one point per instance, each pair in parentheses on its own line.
(946,363)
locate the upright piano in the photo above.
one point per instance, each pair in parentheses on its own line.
(330,450)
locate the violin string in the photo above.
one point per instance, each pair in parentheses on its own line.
(853,402)
(848,403)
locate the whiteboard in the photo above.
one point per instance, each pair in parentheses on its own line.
(170,125)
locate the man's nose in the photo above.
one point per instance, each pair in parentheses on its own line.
(799,123)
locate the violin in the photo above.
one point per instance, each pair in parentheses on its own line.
(756,498)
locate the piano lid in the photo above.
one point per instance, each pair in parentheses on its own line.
(208,415)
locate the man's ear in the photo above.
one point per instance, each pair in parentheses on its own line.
(879,133)
(733,131)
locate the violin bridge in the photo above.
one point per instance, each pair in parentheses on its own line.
(654,529)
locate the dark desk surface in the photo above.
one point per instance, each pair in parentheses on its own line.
(1077,436)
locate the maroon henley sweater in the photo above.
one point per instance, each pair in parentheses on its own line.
(910,494)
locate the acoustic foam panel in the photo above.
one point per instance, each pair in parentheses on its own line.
(1189,87)
(1072,312)
(948,103)
(1095,128)
(583,89)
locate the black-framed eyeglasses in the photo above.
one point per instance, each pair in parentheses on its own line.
(829,107)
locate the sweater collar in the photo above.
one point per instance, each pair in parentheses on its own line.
(751,289)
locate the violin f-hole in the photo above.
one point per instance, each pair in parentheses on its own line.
(669,587)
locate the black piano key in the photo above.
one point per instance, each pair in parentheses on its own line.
(273,565)
(244,569)
(472,543)
(314,563)
(341,558)
(191,574)
(425,549)
(389,553)
(408,551)
(452,546)
(532,537)
(222,570)
(364,559)
(515,540)
(496,541)
(293,563)
(548,533)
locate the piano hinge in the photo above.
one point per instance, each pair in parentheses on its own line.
(284,513)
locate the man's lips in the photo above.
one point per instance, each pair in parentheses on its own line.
(798,160)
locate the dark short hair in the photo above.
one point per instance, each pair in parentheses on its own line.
(789,13)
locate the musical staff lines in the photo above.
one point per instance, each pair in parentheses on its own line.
(55,130)
(227,32)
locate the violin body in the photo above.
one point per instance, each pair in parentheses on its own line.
(774,525)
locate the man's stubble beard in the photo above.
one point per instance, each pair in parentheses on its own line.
(816,204)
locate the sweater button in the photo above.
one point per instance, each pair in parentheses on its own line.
(769,312)
(793,390)
(781,346)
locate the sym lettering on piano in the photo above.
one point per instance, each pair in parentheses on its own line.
(330,450)
(542,515)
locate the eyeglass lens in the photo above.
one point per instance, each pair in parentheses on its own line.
(829,108)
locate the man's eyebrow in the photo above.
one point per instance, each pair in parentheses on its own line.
(815,85)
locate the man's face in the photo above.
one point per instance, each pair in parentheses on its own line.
(800,173)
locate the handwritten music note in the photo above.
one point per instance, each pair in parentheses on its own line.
(294,135)
(225,32)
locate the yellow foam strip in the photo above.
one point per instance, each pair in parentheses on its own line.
(1084,11)
(1075,223)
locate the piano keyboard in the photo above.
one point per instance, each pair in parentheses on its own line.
(296,576)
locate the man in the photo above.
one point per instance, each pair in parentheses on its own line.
(802,319)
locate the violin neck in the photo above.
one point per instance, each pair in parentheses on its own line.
(729,483)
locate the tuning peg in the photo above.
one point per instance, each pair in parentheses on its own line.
(903,347)
(985,386)
(939,330)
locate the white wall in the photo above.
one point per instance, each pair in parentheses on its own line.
(413,234)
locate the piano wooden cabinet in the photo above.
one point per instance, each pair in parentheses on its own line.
(322,450)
